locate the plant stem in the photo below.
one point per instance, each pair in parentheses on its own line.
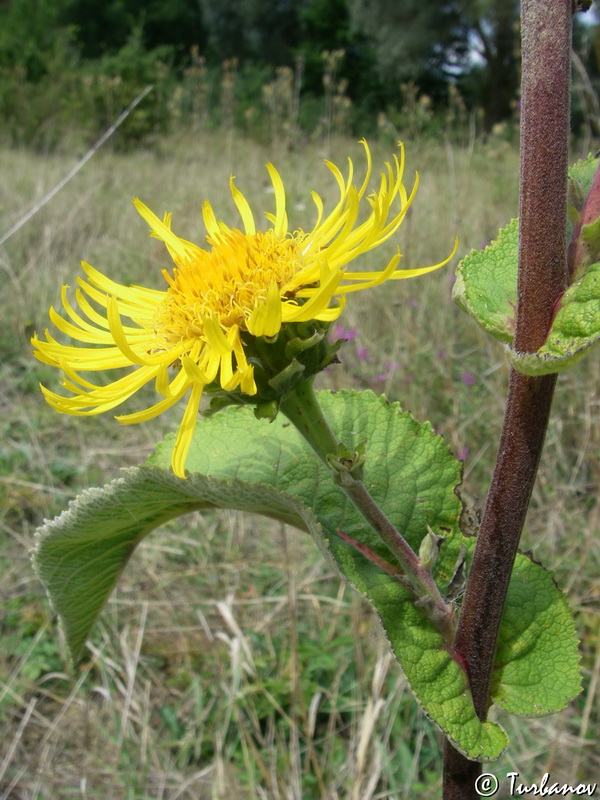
(546,41)
(302,408)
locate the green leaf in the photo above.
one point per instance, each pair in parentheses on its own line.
(581,177)
(591,236)
(486,288)
(537,669)
(486,284)
(537,666)
(575,329)
(239,462)
(80,555)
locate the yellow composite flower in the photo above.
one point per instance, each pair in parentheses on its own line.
(248,283)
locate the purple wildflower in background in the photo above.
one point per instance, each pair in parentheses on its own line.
(381,377)
(463,454)
(341,332)
(468,379)
(362,354)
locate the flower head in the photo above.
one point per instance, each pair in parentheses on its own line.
(245,316)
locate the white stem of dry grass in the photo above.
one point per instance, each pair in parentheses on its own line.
(17,738)
(72,172)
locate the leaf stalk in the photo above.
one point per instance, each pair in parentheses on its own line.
(302,408)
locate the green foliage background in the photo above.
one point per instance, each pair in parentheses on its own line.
(76,64)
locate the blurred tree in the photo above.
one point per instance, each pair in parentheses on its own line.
(101,27)
(279,32)
(263,31)
(29,32)
(472,43)
(177,23)
(493,78)
(326,25)
(585,97)
(414,41)
(104,28)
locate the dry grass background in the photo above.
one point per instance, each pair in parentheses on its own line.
(230,662)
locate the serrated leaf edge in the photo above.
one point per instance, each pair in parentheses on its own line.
(306,514)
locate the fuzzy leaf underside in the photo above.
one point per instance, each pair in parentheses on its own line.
(239,462)
(486,288)
(576,328)
(486,284)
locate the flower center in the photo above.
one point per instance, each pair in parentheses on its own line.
(226,282)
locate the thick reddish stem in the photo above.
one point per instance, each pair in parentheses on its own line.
(546,41)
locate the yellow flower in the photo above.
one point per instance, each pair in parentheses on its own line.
(247,286)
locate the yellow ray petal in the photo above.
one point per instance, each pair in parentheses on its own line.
(215,336)
(116,329)
(178,388)
(106,285)
(376,277)
(265,319)
(367,177)
(193,371)
(139,377)
(101,399)
(163,232)
(281,220)
(333,312)
(210,221)
(243,207)
(186,431)
(76,318)
(141,313)
(319,204)
(162,381)
(314,305)
(247,384)
(91,336)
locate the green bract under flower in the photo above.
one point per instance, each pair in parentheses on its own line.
(223,304)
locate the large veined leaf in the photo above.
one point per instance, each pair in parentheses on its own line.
(239,462)
(486,288)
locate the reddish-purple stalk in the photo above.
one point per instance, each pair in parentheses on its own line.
(579,255)
(546,27)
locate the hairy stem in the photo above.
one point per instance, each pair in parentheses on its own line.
(303,410)
(546,42)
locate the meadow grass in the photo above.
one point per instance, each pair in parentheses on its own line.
(231,662)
